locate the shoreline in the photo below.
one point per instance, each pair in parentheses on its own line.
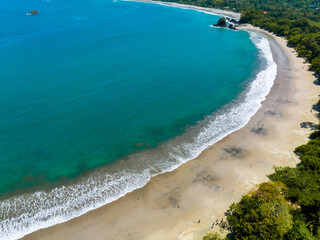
(213,11)
(70,211)
(171,199)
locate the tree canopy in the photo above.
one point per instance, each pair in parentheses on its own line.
(288,206)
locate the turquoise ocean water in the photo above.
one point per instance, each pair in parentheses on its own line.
(98,96)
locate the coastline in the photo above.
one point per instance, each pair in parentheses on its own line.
(107,183)
(213,11)
(220,175)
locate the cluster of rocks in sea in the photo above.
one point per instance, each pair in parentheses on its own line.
(33,12)
(223,23)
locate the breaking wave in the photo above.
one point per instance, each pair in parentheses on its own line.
(28,212)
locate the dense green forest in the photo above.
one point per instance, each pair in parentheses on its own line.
(302,33)
(288,206)
(290,8)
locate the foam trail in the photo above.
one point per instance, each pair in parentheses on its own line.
(211,11)
(26,213)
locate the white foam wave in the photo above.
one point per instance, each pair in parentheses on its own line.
(211,11)
(21,215)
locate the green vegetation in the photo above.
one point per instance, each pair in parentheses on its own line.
(285,8)
(302,33)
(212,236)
(262,214)
(288,206)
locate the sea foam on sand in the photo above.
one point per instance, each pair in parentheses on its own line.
(26,213)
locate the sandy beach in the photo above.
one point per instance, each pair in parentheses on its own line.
(214,11)
(184,203)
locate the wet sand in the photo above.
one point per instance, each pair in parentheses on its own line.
(214,11)
(184,203)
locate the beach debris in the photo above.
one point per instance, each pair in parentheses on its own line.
(33,12)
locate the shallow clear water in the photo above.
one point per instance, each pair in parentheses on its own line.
(129,89)
(87,82)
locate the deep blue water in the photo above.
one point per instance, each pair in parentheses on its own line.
(86,82)
(122,91)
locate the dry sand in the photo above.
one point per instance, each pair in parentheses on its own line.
(171,205)
(214,11)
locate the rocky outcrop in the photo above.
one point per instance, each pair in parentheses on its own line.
(222,23)
(231,20)
(33,12)
(232,26)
